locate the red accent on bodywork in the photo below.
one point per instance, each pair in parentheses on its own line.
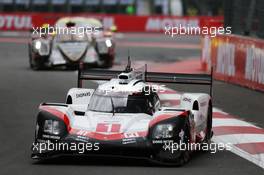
(94,135)
(115,128)
(101,136)
(102,127)
(58,114)
(108,127)
(170,102)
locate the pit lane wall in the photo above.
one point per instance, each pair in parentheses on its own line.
(235,59)
(125,23)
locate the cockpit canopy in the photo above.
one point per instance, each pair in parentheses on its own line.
(78,29)
(122,102)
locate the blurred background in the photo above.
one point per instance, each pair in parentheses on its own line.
(138,7)
(244,16)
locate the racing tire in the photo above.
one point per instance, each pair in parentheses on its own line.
(209,132)
(184,156)
(36,63)
(108,63)
(72,67)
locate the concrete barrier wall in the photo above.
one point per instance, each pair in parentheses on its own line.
(235,59)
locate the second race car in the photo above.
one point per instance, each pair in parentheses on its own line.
(69,41)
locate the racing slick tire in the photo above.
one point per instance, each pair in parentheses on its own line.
(36,62)
(108,63)
(209,132)
(36,65)
(107,60)
(71,67)
(184,156)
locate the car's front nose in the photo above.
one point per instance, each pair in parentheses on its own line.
(74,51)
(79,145)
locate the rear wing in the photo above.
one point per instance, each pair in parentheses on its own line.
(155,77)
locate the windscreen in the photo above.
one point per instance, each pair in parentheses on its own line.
(69,37)
(119,104)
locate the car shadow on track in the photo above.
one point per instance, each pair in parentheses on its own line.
(112,161)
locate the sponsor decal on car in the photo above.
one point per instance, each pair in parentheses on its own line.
(84,94)
(128,141)
(187,99)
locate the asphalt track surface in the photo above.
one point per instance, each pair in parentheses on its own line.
(22,90)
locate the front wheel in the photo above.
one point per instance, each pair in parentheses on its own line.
(36,63)
(209,132)
(186,154)
(181,156)
(107,60)
(108,63)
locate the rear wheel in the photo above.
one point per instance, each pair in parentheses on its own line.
(108,63)
(209,132)
(107,60)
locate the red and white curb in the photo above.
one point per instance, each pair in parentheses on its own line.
(245,139)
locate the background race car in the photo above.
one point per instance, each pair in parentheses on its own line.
(71,40)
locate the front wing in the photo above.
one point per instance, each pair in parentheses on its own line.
(81,143)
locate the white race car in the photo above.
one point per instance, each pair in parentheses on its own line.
(70,41)
(124,117)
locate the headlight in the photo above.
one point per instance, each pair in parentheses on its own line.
(163,131)
(108,43)
(51,127)
(37,45)
(41,47)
